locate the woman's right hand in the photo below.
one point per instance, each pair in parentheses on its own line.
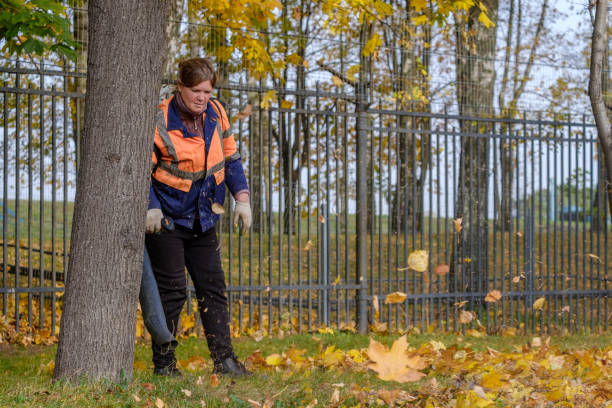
(154,219)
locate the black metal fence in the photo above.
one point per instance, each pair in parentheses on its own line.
(533,256)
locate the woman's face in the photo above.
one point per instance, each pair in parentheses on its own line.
(196,97)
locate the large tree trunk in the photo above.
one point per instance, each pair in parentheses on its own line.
(124,72)
(475,70)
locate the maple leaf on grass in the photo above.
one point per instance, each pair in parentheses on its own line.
(394,364)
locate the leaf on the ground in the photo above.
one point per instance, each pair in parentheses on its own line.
(348,327)
(389,396)
(335,397)
(253,403)
(466,317)
(418,260)
(214,380)
(274,360)
(457,223)
(539,303)
(159,403)
(202,404)
(441,269)
(325,330)
(199,381)
(536,342)
(493,296)
(459,305)
(395,297)
(565,309)
(148,386)
(394,364)
(186,392)
(136,397)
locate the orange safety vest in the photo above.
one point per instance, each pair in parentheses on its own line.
(183,158)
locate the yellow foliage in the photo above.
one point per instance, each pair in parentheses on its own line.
(394,364)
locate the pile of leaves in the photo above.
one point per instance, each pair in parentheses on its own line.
(535,374)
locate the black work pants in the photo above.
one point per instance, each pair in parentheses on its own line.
(170,253)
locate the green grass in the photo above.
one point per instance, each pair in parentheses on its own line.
(25,379)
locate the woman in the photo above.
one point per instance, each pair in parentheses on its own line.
(195,157)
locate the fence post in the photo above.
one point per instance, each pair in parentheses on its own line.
(362,214)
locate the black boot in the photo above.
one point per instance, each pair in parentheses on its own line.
(231,366)
(164,360)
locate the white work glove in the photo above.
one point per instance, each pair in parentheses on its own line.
(242,210)
(154,218)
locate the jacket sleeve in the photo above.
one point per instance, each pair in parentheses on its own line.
(234,176)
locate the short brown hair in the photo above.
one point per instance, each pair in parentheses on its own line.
(196,70)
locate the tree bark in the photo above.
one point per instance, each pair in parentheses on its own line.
(126,49)
(475,70)
(604,129)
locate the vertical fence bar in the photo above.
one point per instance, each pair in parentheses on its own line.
(17,198)
(5,205)
(42,200)
(270,221)
(53,209)
(30,199)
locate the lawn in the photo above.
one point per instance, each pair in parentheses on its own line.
(325,370)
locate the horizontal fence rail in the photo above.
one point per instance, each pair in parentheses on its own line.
(510,213)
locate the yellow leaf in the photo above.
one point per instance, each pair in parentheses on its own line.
(474,333)
(492,380)
(484,19)
(441,269)
(188,322)
(395,297)
(418,260)
(285,104)
(217,208)
(394,364)
(186,392)
(159,403)
(274,360)
(493,296)
(325,330)
(594,258)
(136,397)
(356,355)
(337,81)
(418,4)
(373,43)
(539,303)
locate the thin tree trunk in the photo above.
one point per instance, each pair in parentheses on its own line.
(598,54)
(124,72)
(175,13)
(475,70)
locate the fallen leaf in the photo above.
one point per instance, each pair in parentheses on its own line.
(186,392)
(565,309)
(217,208)
(375,307)
(214,380)
(395,297)
(493,296)
(536,342)
(594,258)
(394,364)
(539,303)
(159,403)
(418,260)
(136,397)
(389,396)
(148,386)
(308,246)
(244,113)
(516,279)
(465,317)
(335,397)
(254,403)
(457,223)
(274,360)
(459,305)
(441,269)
